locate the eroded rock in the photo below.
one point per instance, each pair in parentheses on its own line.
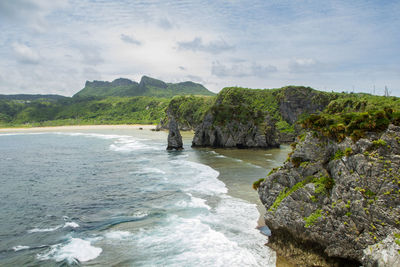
(342,198)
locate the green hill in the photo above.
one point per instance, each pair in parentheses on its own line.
(29,97)
(147,87)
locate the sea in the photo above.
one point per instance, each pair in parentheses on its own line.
(117,197)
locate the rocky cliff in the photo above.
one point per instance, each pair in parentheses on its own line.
(337,203)
(249,118)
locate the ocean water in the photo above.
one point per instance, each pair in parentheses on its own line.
(118,198)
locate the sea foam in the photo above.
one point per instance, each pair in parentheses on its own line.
(120,235)
(74,250)
(18,248)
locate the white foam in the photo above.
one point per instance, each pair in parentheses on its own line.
(217,155)
(71,225)
(203,179)
(75,249)
(140,214)
(153,170)
(127,144)
(120,235)
(122,143)
(194,202)
(18,248)
(38,230)
(191,242)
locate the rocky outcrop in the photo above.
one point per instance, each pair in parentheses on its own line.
(295,101)
(235,134)
(174,136)
(247,118)
(337,201)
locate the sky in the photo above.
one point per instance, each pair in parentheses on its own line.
(54,46)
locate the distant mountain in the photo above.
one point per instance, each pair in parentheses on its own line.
(147,87)
(28,97)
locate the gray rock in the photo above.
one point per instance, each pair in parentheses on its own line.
(235,134)
(343,218)
(174,136)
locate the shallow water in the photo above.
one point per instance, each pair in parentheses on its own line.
(117,197)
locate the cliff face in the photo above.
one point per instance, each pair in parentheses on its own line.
(236,134)
(247,118)
(294,102)
(339,200)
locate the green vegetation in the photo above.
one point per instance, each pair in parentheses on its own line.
(75,111)
(379,142)
(323,184)
(339,154)
(284,127)
(310,220)
(190,110)
(348,151)
(353,115)
(244,105)
(147,87)
(287,192)
(257,183)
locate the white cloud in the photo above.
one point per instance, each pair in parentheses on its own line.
(213,47)
(130,39)
(262,45)
(241,70)
(31,13)
(25,54)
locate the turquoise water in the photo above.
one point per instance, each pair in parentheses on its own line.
(105,197)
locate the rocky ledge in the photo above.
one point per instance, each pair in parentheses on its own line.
(339,203)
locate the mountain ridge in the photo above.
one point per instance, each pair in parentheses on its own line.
(147,86)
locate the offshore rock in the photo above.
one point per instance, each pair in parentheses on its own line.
(174,136)
(337,201)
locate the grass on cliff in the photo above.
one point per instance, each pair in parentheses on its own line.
(355,115)
(190,110)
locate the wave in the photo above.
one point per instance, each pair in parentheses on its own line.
(194,202)
(75,250)
(119,235)
(201,178)
(18,248)
(38,230)
(66,225)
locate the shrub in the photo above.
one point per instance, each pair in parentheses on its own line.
(257,183)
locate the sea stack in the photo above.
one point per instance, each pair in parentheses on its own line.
(174,136)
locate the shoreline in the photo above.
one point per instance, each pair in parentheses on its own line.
(79,127)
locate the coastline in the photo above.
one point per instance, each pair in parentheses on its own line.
(239,187)
(79,127)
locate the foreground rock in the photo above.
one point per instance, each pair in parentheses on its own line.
(337,202)
(174,136)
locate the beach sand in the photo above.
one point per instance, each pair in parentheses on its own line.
(78,127)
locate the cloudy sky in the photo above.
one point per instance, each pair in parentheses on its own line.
(54,46)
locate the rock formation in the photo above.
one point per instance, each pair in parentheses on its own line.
(337,200)
(174,136)
(246,118)
(235,134)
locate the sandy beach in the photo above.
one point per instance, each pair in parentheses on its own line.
(77,127)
